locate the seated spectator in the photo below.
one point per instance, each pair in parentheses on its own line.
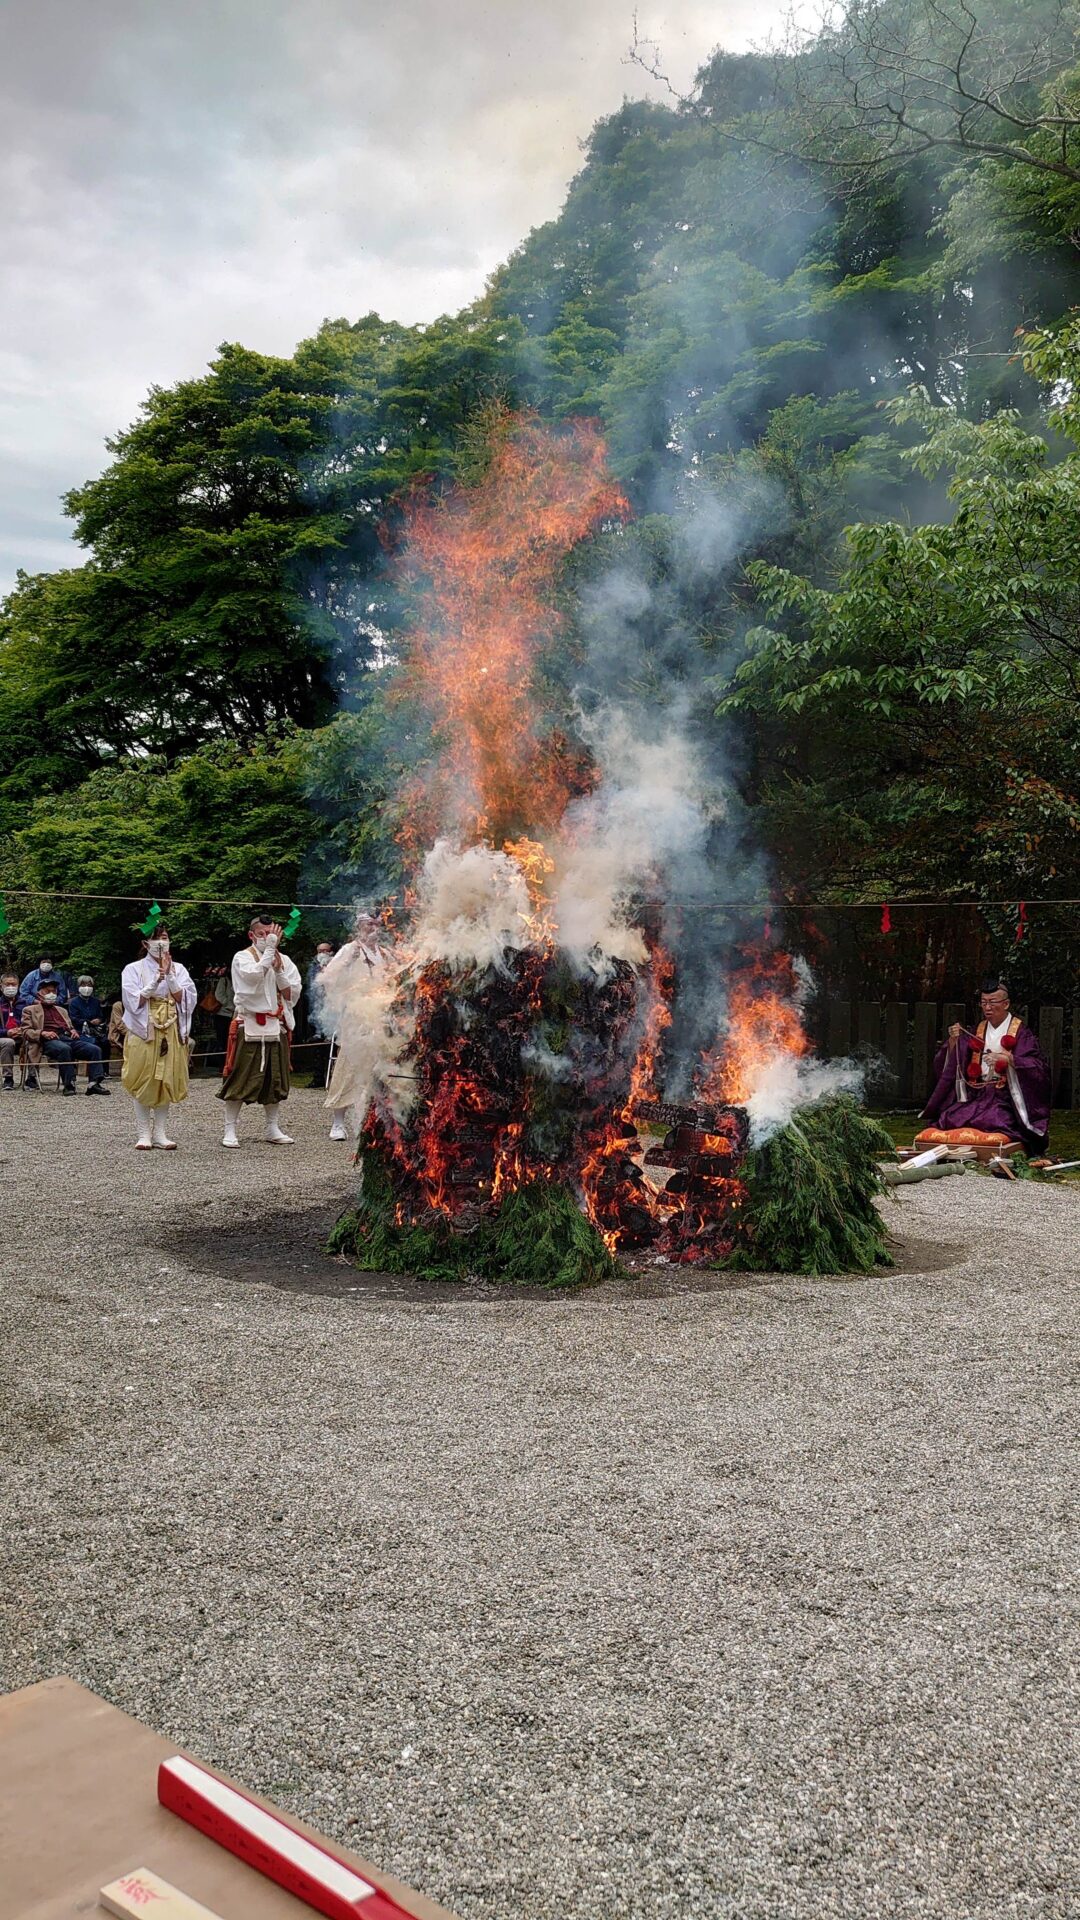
(87,1014)
(47,1029)
(117,1028)
(9,1028)
(37,977)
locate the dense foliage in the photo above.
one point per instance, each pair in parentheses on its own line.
(854,494)
(538,1237)
(812,1189)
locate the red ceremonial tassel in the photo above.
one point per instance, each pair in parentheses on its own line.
(886,919)
(1021,924)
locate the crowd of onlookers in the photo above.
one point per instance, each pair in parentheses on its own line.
(51,1015)
(46,1015)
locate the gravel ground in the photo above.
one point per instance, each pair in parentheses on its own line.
(758,1601)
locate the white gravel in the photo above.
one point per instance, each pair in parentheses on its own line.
(758,1602)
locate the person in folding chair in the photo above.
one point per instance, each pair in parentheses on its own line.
(158,996)
(10,1029)
(47,1029)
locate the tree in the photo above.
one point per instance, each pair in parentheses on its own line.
(229,823)
(921,715)
(882,82)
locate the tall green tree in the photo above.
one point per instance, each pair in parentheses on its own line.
(921,715)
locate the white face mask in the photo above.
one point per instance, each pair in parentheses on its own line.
(321,959)
(49,999)
(85,993)
(45,967)
(155,948)
(11,993)
(265,943)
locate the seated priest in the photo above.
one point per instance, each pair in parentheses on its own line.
(996,1080)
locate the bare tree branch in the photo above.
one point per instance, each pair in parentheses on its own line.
(880,82)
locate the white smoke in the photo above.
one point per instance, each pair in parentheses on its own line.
(357,991)
(789,1081)
(473,904)
(646,821)
(554,1066)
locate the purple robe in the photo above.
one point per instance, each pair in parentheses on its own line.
(1019,1106)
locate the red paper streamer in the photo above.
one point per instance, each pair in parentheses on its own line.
(1021,924)
(886,919)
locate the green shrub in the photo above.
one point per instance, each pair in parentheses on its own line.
(811,1192)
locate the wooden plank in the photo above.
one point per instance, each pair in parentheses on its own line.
(869,1026)
(1052,1042)
(923,1048)
(838,1038)
(896,1049)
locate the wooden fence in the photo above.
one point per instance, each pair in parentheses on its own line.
(899,1041)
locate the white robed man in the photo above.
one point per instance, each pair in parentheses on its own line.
(356,986)
(266,988)
(158,997)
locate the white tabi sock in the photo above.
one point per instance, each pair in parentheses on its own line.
(338,1131)
(145,1118)
(161,1133)
(273,1131)
(232,1115)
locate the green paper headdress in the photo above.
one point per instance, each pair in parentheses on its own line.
(291,924)
(149,925)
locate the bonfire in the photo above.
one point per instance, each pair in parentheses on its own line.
(516,1026)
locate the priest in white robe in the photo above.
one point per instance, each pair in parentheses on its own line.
(266,988)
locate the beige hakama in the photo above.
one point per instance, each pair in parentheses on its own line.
(155,1070)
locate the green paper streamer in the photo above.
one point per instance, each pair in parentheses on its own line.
(5,923)
(150,923)
(291,924)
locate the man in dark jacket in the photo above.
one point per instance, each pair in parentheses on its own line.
(44,974)
(88,1016)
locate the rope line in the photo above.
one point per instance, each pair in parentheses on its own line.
(755,906)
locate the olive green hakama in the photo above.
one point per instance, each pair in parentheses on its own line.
(259,1074)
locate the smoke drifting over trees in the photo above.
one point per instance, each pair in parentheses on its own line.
(736,284)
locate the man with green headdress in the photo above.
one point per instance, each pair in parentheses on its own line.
(158,996)
(266,989)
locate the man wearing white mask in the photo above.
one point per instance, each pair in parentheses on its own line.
(266,988)
(47,1029)
(10,1029)
(44,974)
(158,996)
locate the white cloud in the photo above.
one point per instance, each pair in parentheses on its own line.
(239,169)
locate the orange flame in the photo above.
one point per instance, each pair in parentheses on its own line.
(661,989)
(484,564)
(762,1020)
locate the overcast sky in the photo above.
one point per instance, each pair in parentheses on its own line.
(180,172)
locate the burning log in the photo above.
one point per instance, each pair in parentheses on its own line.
(535,1236)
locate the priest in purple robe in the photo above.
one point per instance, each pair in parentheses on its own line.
(996,1079)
